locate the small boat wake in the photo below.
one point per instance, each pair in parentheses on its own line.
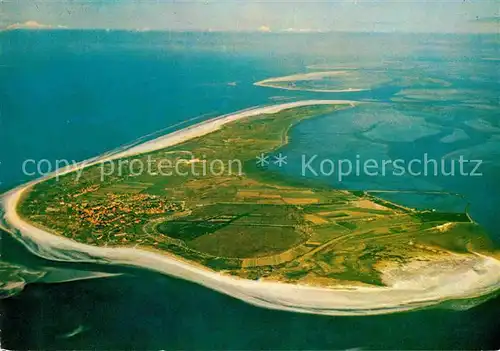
(77,331)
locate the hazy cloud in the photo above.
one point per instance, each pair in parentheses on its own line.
(279,15)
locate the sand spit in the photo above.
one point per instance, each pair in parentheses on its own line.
(468,277)
(271,82)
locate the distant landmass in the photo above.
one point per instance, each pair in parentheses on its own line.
(33,25)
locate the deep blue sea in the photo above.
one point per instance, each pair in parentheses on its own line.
(76,94)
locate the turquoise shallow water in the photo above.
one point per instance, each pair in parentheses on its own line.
(73,95)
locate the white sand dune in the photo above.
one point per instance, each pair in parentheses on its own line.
(466,276)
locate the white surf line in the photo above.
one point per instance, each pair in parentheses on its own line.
(270,82)
(479,277)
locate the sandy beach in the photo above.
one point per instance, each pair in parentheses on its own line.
(271,82)
(454,278)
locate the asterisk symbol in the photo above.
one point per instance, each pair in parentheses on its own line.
(280,160)
(262,160)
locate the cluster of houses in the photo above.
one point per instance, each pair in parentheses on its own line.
(120,209)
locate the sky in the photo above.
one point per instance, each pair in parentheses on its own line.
(449,16)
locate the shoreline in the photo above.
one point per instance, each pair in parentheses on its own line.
(402,295)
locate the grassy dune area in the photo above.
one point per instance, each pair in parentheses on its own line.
(255,224)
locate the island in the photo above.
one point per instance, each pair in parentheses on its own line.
(251,232)
(337,81)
